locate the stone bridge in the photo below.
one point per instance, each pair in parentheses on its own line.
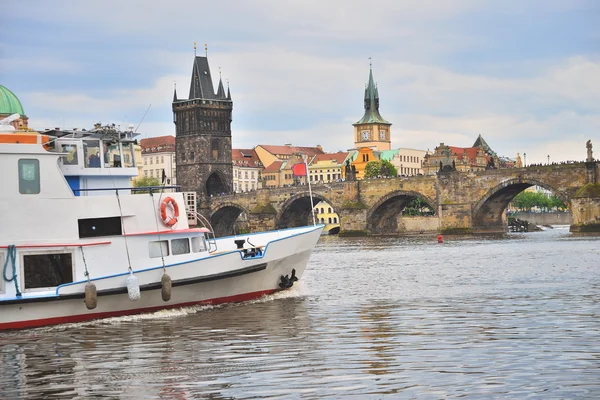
(464,202)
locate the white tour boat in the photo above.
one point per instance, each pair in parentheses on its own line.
(71,250)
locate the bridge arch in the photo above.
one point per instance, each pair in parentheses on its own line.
(224,217)
(216,184)
(296,211)
(382,217)
(488,212)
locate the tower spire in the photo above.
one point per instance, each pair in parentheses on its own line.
(174,91)
(371,101)
(220,90)
(228,92)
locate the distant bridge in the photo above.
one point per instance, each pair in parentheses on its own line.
(464,202)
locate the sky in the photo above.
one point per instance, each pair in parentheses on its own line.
(523,74)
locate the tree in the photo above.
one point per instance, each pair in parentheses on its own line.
(418,206)
(528,200)
(380,168)
(145,181)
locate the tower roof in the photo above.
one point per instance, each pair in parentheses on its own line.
(201,86)
(9,103)
(480,142)
(371,104)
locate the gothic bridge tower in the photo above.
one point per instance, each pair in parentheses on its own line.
(372,130)
(203,135)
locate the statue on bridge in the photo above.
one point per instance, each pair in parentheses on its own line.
(588,146)
(350,171)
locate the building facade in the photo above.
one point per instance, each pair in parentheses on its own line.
(372,130)
(408,162)
(328,167)
(203,135)
(158,155)
(246,170)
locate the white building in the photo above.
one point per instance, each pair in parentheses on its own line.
(246,170)
(158,155)
(408,162)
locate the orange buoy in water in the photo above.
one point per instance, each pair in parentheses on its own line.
(440,239)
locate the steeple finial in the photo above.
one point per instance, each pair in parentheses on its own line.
(194,49)
(206,50)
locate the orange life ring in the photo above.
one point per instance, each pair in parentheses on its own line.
(169,221)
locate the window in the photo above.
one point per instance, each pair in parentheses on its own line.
(47,270)
(335,220)
(159,248)
(329,210)
(152,159)
(180,246)
(29,176)
(198,244)
(91,153)
(71,157)
(145,161)
(146,173)
(94,227)
(162,159)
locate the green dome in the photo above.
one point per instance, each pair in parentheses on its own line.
(9,103)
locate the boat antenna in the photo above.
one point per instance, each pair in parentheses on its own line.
(142,120)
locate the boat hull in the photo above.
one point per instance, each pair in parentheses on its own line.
(221,278)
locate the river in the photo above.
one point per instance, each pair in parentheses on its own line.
(479,317)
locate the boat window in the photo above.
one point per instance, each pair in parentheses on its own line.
(180,246)
(127,155)
(47,270)
(94,227)
(112,155)
(29,176)
(91,153)
(159,248)
(71,157)
(198,244)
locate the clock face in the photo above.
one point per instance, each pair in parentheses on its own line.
(365,135)
(382,135)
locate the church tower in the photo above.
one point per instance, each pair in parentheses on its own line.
(372,130)
(203,135)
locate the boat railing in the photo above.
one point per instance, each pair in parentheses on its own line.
(212,240)
(141,189)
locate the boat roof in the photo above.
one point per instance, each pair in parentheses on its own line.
(93,134)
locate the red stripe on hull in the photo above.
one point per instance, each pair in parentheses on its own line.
(88,317)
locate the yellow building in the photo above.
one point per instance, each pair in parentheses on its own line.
(324,213)
(361,158)
(328,167)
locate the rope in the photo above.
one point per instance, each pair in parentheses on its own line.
(157,230)
(86,274)
(124,235)
(12,255)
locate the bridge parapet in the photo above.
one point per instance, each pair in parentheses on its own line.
(463,201)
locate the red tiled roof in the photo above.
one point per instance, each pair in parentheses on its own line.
(245,158)
(288,150)
(273,167)
(338,157)
(471,153)
(158,144)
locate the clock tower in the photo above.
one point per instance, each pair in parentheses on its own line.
(372,130)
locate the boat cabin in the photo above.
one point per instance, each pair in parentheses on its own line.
(94,160)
